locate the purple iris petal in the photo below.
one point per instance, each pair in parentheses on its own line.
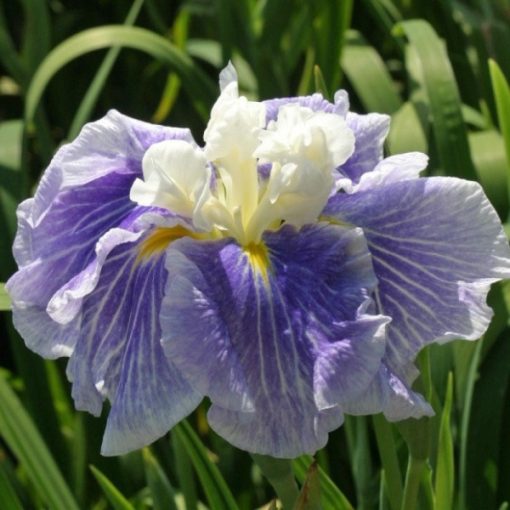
(315,102)
(370,131)
(118,354)
(82,195)
(76,246)
(437,245)
(276,357)
(391,394)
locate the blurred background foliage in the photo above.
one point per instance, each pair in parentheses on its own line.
(427,63)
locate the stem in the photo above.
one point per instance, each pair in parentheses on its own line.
(413,479)
(388,453)
(279,474)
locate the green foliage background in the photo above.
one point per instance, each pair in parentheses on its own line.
(425,63)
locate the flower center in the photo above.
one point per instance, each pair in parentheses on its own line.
(258,256)
(160,238)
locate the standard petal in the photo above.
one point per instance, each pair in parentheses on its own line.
(370,131)
(118,354)
(276,343)
(82,195)
(437,245)
(315,102)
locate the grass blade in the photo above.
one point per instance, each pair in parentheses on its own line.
(502,98)
(406,131)
(368,75)
(20,434)
(309,497)
(491,165)
(332,498)
(8,54)
(5,300)
(8,495)
(37,36)
(10,190)
(89,101)
(484,441)
(163,496)
(444,475)
(217,492)
(201,89)
(114,496)
(389,459)
(330,27)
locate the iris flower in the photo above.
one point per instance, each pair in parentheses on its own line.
(285,270)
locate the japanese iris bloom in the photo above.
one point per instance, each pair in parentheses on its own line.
(285,270)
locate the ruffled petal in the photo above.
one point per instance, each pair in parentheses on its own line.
(316,102)
(370,131)
(83,194)
(390,394)
(437,245)
(118,354)
(278,340)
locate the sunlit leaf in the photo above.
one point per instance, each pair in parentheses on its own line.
(445,105)
(198,85)
(368,75)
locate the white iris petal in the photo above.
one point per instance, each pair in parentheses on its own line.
(231,137)
(176,177)
(303,148)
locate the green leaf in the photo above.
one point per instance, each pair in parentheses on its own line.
(5,300)
(217,492)
(205,49)
(37,36)
(8,54)
(332,498)
(330,27)
(502,98)
(486,431)
(21,436)
(180,30)
(184,471)
(115,497)
(320,84)
(163,495)
(278,473)
(406,131)
(444,476)
(368,75)
(10,190)
(391,468)
(362,461)
(488,150)
(471,360)
(309,497)
(198,85)
(89,101)
(8,495)
(443,96)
